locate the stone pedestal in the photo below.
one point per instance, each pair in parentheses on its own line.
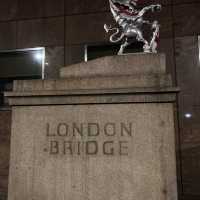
(105,130)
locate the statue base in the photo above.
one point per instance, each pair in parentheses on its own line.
(105,130)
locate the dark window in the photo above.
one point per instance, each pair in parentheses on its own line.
(19,64)
(96,51)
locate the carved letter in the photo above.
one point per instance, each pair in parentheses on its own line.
(125,129)
(91,148)
(110,129)
(48,131)
(108,150)
(93,129)
(62,129)
(54,147)
(78,148)
(78,130)
(68,146)
(123,148)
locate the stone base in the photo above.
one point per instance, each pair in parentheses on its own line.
(101,136)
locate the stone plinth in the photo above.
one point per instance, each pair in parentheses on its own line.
(104,131)
(145,64)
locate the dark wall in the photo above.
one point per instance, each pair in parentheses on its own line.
(65,26)
(5,129)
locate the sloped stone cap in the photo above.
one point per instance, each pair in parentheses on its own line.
(129,64)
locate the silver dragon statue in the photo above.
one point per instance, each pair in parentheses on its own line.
(130,21)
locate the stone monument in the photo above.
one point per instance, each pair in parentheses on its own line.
(104,130)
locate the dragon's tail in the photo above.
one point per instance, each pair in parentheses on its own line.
(109,28)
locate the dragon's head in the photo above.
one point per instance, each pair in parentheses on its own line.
(128,5)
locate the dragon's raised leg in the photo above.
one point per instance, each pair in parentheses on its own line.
(140,38)
(123,46)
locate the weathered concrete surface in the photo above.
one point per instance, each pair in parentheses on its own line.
(75,97)
(130,64)
(111,82)
(102,135)
(145,168)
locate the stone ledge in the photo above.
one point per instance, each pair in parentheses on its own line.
(91,92)
(115,79)
(140,81)
(106,96)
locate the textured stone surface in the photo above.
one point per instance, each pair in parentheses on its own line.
(127,71)
(104,132)
(130,64)
(143,168)
(95,83)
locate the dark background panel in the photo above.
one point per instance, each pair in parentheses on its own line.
(188,73)
(8,38)
(84,29)
(54,8)
(8,10)
(186,19)
(184,1)
(74,54)
(30,33)
(54,31)
(85,6)
(30,9)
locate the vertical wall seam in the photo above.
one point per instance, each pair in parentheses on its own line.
(179,151)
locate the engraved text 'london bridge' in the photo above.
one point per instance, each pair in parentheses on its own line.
(76,139)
